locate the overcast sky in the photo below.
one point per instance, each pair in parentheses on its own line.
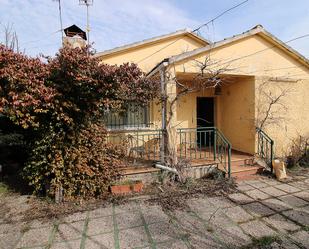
(118,22)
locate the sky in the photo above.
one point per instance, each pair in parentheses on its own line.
(118,22)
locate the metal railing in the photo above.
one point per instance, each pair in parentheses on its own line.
(207,144)
(140,144)
(265,147)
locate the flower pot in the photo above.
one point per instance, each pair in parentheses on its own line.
(126,188)
(138,186)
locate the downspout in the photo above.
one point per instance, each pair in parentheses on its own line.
(160,166)
(161,68)
(163,114)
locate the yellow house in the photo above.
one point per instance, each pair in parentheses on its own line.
(262,83)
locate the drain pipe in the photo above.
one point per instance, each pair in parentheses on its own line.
(160,166)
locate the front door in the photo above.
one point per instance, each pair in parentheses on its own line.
(205,117)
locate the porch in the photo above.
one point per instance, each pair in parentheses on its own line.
(213,127)
(198,151)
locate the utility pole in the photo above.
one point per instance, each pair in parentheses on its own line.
(87,3)
(60,18)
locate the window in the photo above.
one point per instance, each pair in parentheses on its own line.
(135,116)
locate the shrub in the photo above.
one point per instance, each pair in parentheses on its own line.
(299,152)
(82,164)
(60,104)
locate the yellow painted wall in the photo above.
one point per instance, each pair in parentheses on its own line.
(291,116)
(186,108)
(237,114)
(139,55)
(238,102)
(236,107)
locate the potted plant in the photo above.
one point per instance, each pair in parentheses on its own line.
(126,187)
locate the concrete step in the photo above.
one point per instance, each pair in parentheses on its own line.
(249,161)
(246,172)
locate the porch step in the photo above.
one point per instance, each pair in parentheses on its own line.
(245,169)
(138,170)
(246,172)
(243,162)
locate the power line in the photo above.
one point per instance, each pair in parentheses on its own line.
(221,14)
(43,38)
(197,29)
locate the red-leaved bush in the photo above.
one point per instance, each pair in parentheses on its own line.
(61,103)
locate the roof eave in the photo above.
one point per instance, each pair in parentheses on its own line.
(150,41)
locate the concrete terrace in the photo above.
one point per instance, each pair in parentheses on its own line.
(262,207)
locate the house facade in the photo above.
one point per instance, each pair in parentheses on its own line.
(263,83)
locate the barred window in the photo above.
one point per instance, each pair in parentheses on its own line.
(135,116)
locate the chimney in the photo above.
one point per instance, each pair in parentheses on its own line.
(74,37)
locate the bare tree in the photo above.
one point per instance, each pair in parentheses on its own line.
(271,104)
(10,37)
(209,76)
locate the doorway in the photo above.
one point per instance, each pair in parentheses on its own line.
(205,117)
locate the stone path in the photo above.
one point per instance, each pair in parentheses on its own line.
(261,208)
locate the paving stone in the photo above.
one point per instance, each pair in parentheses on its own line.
(270,181)
(100,241)
(72,244)
(281,223)
(258,184)
(38,223)
(201,204)
(303,195)
(287,188)
(306,208)
(272,191)
(276,204)
(100,225)
(232,235)
(12,227)
(163,232)
(237,214)
(253,182)
(301,237)
(245,187)
(35,237)
(299,185)
(128,207)
(154,213)
(187,222)
(9,240)
(172,245)
(69,231)
(257,194)
(221,202)
(205,241)
(126,220)
(100,212)
(240,198)
(75,217)
(287,244)
(293,201)
(257,209)
(257,229)
(299,215)
(133,237)
(219,219)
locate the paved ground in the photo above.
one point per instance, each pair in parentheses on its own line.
(262,207)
